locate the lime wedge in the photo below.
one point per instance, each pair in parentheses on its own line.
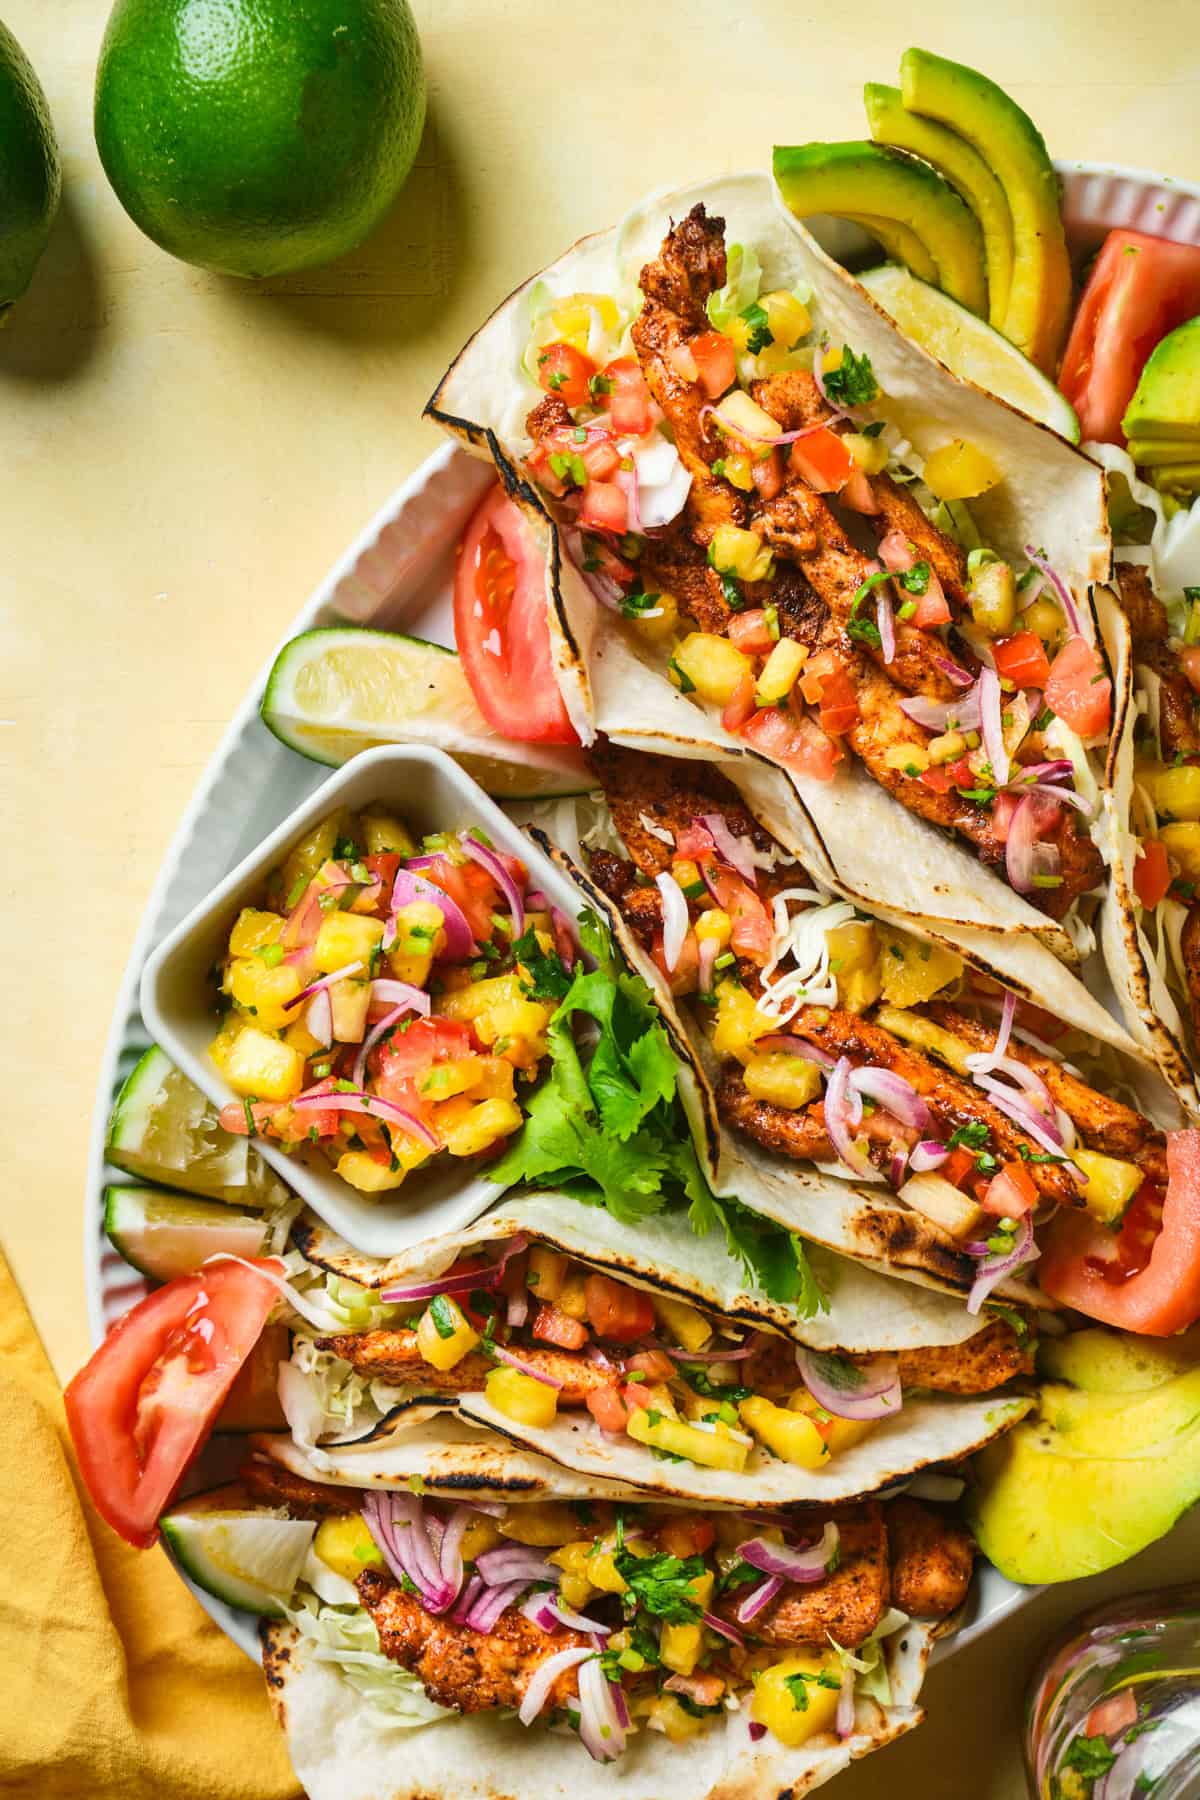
(164,1130)
(165,1234)
(968,346)
(337,691)
(248,1559)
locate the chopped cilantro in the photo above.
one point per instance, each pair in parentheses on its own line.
(271,954)
(636,604)
(660,1585)
(684,680)
(548,978)
(873,429)
(599,386)
(1089,1757)
(568,464)
(872,581)
(442,1314)
(866,631)
(760,332)
(798,1685)
(853,382)
(914,580)
(732,593)
(972,1137)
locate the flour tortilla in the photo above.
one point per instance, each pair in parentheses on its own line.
(339,1754)
(1052,496)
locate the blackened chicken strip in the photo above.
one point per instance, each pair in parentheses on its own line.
(672,563)
(275,1486)
(1102,1122)
(987,1361)
(1179,734)
(932,1557)
(847,1605)
(471,1671)
(394,1357)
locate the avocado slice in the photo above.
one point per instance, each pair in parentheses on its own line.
(1039,300)
(1117,1362)
(1052,1505)
(861,178)
(900,243)
(1162,453)
(898,129)
(1166,401)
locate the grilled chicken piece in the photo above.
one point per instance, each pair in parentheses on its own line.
(1178,732)
(932,1557)
(1190,947)
(689,267)
(847,1605)
(1103,1123)
(549,415)
(472,1671)
(276,1486)
(672,563)
(986,1361)
(799,1135)
(393,1356)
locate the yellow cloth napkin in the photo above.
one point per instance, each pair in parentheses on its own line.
(113,1682)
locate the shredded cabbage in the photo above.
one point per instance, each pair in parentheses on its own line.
(870,1665)
(743,278)
(394,1697)
(1174,540)
(803,937)
(327,1396)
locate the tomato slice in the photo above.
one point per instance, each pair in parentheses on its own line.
(501,626)
(822,460)
(716,362)
(1151,1287)
(141,1408)
(565,371)
(1022,659)
(1078,690)
(1151,872)
(550,1326)
(1011,1192)
(621,1314)
(1140,289)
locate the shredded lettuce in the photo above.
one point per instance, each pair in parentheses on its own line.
(743,278)
(870,1665)
(393,1697)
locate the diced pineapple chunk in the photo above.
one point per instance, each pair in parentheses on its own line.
(1182,844)
(521,1398)
(420,936)
(664,1713)
(716,1449)
(914,1029)
(1111,1183)
(344,1545)
(479,1127)
(547,1269)
(262,1067)
(572,1295)
(263,991)
(252,930)
(854,959)
(781,1079)
(715,924)
(350,999)
(444,1336)
(912,971)
(662,628)
(790,1435)
(958,471)
(870,453)
(368,1176)
(482,996)
(481,1534)
(517,1029)
(301,1038)
(798,1697)
(1174,792)
(345,938)
(838,1433)
(542,1523)
(303,862)
(712,665)
(457,1075)
(942,1202)
(495,1080)
(732,550)
(689,1328)
(680,1645)
(780,671)
(383,833)
(738,1022)
(787,317)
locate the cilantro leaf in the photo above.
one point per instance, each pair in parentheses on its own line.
(1090,1757)
(544,968)
(760,332)
(853,382)
(660,1584)
(798,1685)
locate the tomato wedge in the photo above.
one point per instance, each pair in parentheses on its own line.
(1151,872)
(565,371)
(141,1408)
(1078,690)
(822,459)
(1022,659)
(501,626)
(1083,1265)
(621,1314)
(1140,289)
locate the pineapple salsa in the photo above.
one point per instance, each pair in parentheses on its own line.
(376,1007)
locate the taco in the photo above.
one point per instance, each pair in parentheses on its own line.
(424,1641)
(736,450)
(592,1358)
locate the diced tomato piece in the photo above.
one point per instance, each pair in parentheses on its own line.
(1078,690)
(740,706)
(766,472)
(692,843)
(538,465)
(406,1055)
(476,898)
(839,703)
(501,625)
(816,672)
(859,495)
(938,780)
(1189,662)
(655,1365)
(554,1327)
(601,458)
(748,631)
(637,1395)
(1140,288)
(962,775)
(608,1409)
(686,1534)
(958,1165)
(752,929)
(627,400)
(1151,872)
(800,745)
(822,459)
(933,608)
(1022,659)
(716,362)
(565,371)
(1112,1716)
(1011,1192)
(683,362)
(684,978)
(605,507)
(617,1311)
(1152,1283)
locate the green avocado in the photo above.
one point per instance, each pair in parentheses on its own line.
(1166,401)
(1039,300)
(900,243)
(860,178)
(1161,453)
(898,129)
(1116,1362)
(1088,1480)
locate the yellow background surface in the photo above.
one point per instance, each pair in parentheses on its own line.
(182,456)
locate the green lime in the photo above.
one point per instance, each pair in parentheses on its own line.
(254,137)
(969,346)
(30,172)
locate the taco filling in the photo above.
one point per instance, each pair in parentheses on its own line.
(734,488)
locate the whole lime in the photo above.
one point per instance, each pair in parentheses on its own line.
(258,136)
(30,172)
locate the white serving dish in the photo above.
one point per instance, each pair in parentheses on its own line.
(398,572)
(428,790)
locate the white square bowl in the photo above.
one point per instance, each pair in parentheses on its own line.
(430,793)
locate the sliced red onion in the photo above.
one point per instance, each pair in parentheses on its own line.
(544,1678)
(954,672)
(843,1721)
(517,1311)
(852,1390)
(318,1020)
(414,1001)
(387,992)
(1031,593)
(898,1168)
(399,1527)
(737,852)
(711,1356)
(548,1612)
(841,1103)
(463,1283)
(1074,618)
(1058,768)
(994,1268)
(1034,1124)
(409,886)
(600,1729)
(450,1557)
(488,859)
(326,981)
(811,1564)
(1028,1080)
(566,938)
(375,1106)
(1020,861)
(788,1045)
(941,715)
(757,1731)
(886,620)
(722,1629)
(985,1060)
(515,1362)
(929,1154)
(894,1094)
(758,1598)
(626,480)
(493,1603)
(304,921)
(1058,793)
(760,437)
(466,1600)
(707,955)
(675,918)
(991,725)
